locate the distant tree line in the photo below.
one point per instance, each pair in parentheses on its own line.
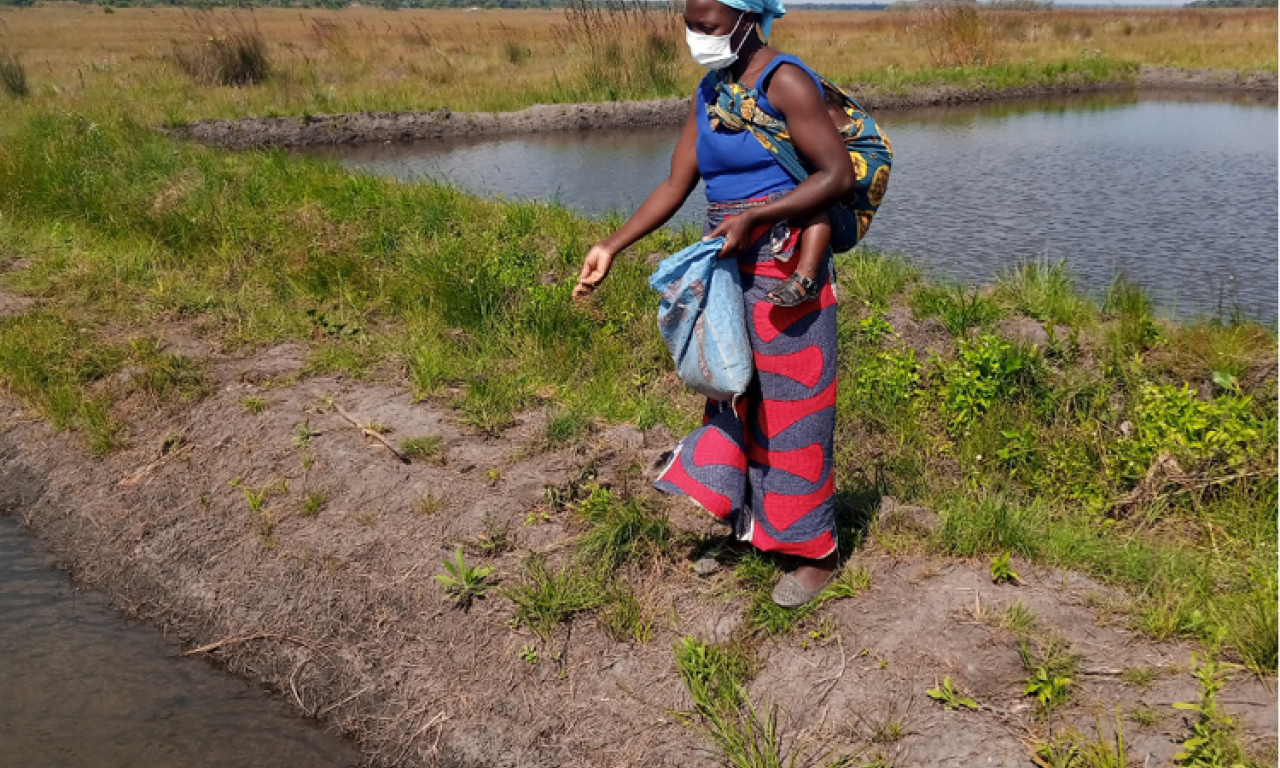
(393,4)
(1232,4)
(390,4)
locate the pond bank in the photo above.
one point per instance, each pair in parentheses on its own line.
(333,604)
(377,127)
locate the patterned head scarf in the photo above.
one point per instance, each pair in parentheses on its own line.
(767,9)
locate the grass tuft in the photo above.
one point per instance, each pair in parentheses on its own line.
(235,55)
(13,75)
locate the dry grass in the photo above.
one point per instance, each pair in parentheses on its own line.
(363,58)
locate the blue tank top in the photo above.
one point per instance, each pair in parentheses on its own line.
(733,164)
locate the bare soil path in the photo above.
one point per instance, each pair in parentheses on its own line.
(323,590)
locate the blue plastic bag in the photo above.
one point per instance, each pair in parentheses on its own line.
(702,320)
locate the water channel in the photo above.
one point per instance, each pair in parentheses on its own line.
(82,688)
(1177,191)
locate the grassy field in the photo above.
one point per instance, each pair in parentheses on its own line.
(1138,451)
(1135,450)
(77,56)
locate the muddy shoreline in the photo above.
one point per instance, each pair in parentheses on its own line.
(381,127)
(337,610)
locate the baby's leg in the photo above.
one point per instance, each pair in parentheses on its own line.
(813,244)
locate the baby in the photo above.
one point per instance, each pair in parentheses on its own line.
(815,234)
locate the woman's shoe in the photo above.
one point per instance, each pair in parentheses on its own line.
(790,592)
(795,291)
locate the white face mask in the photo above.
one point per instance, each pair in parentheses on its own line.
(714,51)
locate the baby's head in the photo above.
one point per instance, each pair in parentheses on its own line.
(835,107)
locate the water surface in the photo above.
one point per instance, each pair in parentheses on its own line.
(1179,192)
(82,688)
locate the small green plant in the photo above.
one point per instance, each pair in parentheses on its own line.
(547,597)
(253,405)
(890,378)
(1144,716)
(255,497)
(1139,676)
(958,307)
(313,501)
(987,370)
(496,537)
(874,326)
(950,698)
(428,448)
(1212,742)
(303,433)
(1002,571)
(1050,668)
(1019,619)
(1175,420)
(1074,751)
(529,654)
(429,504)
(463,583)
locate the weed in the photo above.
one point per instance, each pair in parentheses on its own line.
(1050,666)
(255,497)
(1136,329)
(1074,751)
(1139,676)
(950,698)
(314,501)
(620,531)
(1018,619)
(1145,716)
(987,370)
(957,34)
(874,278)
(496,538)
(547,597)
(566,426)
(1045,291)
(236,55)
(529,654)
(463,583)
(429,504)
(623,618)
(253,405)
(13,75)
(958,307)
(1002,571)
(1212,742)
(429,448)
(303,433)
(874,326)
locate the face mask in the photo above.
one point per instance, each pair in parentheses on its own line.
(714,51)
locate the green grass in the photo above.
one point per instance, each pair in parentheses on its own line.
(428,448)
(1045,291)
(1040,453)
(76,380)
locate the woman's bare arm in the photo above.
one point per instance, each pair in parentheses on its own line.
(792,91)
(656,210)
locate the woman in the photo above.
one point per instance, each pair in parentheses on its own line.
(764,464)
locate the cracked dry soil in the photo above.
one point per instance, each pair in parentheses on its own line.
(338,611)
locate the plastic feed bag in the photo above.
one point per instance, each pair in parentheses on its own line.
(702,320)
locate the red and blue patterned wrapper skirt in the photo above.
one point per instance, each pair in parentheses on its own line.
(763,464)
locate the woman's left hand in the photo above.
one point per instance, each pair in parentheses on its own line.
(736,231)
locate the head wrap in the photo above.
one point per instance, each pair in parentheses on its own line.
(767,9)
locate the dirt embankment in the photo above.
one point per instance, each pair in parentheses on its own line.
(323,590)
(380,127)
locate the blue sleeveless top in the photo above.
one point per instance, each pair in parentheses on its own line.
(733,164)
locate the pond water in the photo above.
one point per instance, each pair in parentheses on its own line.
(82,688)
(1178,192)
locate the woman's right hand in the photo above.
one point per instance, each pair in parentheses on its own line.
(595,268)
